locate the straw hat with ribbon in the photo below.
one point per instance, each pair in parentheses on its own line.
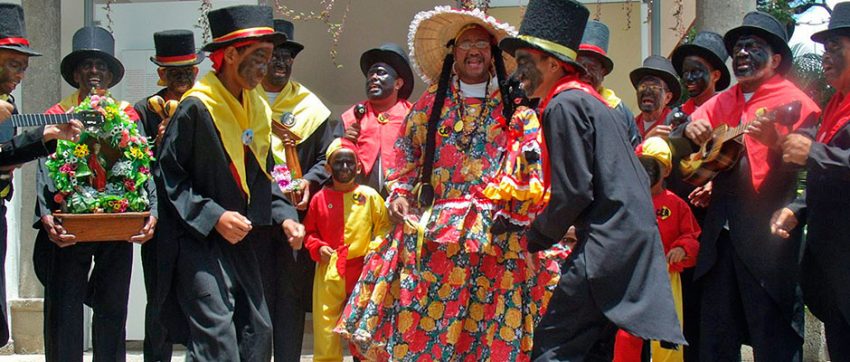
(432,30)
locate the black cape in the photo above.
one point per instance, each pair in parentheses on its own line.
(599,186)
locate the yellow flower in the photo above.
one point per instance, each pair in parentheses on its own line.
(395,289)
(516,298)
(452,249)
(400,351)
(483,283)
(429,277)
(136,153)
(526,343)
(404,321)
(476,311)
(470,325)
(507,334)
(444,291)
(81,151)
(507,280)
(380,289)
(513,318)
(427,324)
(453,334)
(458,276)
(435,310)
(500,306)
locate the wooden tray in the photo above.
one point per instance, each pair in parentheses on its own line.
(103,227)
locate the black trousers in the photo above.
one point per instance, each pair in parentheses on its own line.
(691,297)
(736,310)
(288,285)
(221,293)
(574,328)
(4,322)
(105,290)
(156,348)
(821,291)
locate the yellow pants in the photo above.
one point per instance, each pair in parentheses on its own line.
(328,301)
(669,355)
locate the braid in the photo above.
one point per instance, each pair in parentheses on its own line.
(502,80)
(442,88)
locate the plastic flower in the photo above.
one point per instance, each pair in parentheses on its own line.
(68,168)
(130,185)
(81,151)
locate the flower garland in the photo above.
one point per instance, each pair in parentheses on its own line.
(78,170)
(284,180)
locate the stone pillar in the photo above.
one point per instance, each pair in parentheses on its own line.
(721,15)
(40,89)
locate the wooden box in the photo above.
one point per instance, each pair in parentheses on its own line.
(103,227)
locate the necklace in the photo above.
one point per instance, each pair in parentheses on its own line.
(466,135)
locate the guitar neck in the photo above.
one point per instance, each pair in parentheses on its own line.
(35,120)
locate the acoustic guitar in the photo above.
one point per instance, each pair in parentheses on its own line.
(724,148)
(91,120)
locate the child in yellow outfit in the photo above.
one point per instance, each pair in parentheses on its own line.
(342,221)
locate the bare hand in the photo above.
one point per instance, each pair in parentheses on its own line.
(6,109)
(353,132)
(398,209)
(326,252)
(763,131)
(783,222)
(146,233)
(294,232)
(233,226)
(56,232)
(662,130)
(701,196)
(676,255)
(303,195)
(68,131)
(160,131)
(796,148)
(699,131)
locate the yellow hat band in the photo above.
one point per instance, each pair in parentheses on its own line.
(549,46)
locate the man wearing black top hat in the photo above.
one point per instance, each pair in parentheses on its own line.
(177,60)
(288,274)
(616,276)
(389,83)
(215,163)
(63,266)
(593,56)
(14,59)
(657,86)
(752,276)
(825,278)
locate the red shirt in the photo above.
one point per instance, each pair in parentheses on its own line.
(378,136)
(678,228)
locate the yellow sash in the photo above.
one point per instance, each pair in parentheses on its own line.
(308,109)
(232,119)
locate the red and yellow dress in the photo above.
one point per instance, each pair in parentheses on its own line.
(442,286)
(348,223)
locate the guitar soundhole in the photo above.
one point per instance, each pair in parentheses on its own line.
(708,147)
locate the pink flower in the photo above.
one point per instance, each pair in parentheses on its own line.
(130,185)
(125,139)
(95,100)
(143,170)
(67,168)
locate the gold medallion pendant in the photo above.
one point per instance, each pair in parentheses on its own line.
(383,119)
(459,126)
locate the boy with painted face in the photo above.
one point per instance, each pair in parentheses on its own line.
(342,221)
(657,86)
(679,232)
(752,275)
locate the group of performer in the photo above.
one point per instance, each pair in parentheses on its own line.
(529,215)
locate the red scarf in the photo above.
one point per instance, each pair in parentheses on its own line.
(689,107)
(837,114)
(643,130)
(376,138)
(731,109)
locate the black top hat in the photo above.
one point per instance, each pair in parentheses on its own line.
(13,34)
(839,23)
(288,28)
(658,66)
(766,27)
(396,57)
(92,42)
(708,46)
(239,23)
(551,26)
(175,48)
(595,43)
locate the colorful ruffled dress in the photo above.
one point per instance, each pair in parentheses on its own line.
(444,288)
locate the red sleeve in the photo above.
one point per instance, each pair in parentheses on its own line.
(313,241)
(689,231)
(131,112)
(348,117)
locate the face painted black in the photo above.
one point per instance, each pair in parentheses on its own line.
(380,81)
(13,66)
(92,73)
(834,61)
(650,94)
(527,72)
(696,75)
(595,70)
(254,64)
(751,55)
(343,166)
(180,79)
(280,67)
